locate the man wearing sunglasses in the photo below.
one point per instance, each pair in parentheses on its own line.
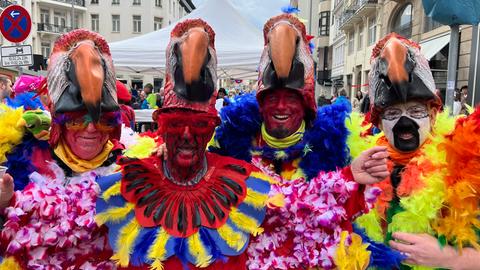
(427,204)
(50,222)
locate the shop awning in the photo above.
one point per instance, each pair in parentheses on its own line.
(432,46)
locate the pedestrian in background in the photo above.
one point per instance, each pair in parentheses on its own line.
(357,101)
(5,87)
(124,98)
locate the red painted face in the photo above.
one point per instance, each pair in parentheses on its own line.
(186,136)
(85,138)
(86,143)
(283,112)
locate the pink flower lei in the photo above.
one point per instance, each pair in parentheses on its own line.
(310,222)
(52,222)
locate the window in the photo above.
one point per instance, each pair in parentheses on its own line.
(115,23)
(46,49)
(372,30)
(136,2)
(77,21)
(157,23)
(324,24)
(95,22)
(402,23)
(59,22)
(94,2)
(137,24)
(115,2)
(430,24)
(158,3)
(60,19)
(338,55)
(360,37)
(351,42)
(45,16)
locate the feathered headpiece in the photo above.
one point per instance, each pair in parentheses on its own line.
(81,78)
(399,73)
(286,60)
(191,68)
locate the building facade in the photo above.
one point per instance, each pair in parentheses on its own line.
(324,50)
(114,19)
(50,19)
(359,24)
(122,19)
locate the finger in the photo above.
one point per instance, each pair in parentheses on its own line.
(6,183)
(377,169)
(380,175)
(372,151)
(380,155)
(403,248)
(409,238)
(375,162)
(165,151)
(411,261)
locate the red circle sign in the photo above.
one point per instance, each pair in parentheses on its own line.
(15,23)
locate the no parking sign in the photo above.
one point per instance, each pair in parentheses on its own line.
(15,23)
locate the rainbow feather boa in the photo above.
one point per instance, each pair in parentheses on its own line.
(311,218)
(460,224)
(425,190)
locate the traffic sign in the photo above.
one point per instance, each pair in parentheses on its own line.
(17,56)
(15,23)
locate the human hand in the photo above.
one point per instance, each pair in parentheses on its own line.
(161,151)
(6,190)
(424,250)
(370,166)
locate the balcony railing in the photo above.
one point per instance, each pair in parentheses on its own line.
(365,2)
(5,3)
(52,28)
(75,2)
(346,16)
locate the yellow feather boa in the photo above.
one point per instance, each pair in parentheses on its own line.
(11,134)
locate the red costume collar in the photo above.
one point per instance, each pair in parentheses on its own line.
(182,210)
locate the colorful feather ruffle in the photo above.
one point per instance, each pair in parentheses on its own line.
(136,245)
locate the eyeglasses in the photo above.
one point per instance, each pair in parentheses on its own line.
(81,123)
(198,124)
(416,112)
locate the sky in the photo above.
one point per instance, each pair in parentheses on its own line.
(256,11)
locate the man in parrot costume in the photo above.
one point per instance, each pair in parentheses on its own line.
(193,209)
(281,131)
(430,201)
(50,222)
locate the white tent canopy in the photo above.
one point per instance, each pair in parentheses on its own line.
(238,43)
